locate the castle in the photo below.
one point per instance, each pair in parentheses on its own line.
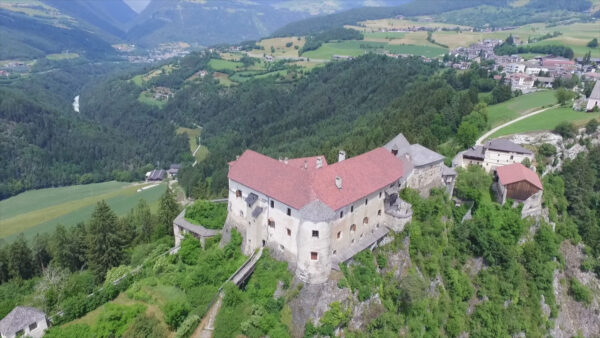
(316,215)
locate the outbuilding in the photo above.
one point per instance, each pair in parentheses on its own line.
(23,321)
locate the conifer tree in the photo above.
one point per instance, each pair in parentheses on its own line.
(41,251)
(4,276)
(105,245)
(168,210)
(20,262)
(144,221)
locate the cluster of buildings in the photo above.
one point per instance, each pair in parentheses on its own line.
(158,175)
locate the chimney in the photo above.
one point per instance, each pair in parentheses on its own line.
(285,160)
(338,182)
(305,164)
(341,156)
(319,162)
(237,157)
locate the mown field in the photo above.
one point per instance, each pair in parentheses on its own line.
(281,47)
(357,48)
(513,108)
(40,211)
(547,120)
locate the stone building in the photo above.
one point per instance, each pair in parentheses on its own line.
(23,322)
(594,99)
(425,168)
(312,214)
(522,185)
(495,153)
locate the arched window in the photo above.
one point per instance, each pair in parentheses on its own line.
(353,228)
(366,220)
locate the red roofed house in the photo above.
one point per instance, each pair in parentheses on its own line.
(521,184)
(313,214)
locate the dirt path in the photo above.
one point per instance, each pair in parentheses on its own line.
(207,325)
(493,130)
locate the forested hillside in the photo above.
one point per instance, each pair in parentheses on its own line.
(45,143)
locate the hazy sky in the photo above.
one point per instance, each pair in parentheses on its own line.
(137,5)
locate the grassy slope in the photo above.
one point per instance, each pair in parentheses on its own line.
(218,64)
(357,48)
(42,210)
(193,135)
(513,108)
(547,120)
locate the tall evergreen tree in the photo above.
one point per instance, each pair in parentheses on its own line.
(105,245)
(4,272)
(143,221)
(20,262)
(167,212)
(41,251)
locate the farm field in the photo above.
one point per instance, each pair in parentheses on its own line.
(219,64)
(547,120)
(62,56)
(357,48)
(279,46)
(141,79)
(515,107)
(388,24)
(42,210)
(147,98)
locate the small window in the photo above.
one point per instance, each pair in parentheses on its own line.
(366,220)
(314,256)
(380,194)
(379,212)
(281,247)
(289,212)
(272,204)
(32,326)
(352,209)
(339,235)
(353,228)
(353,241)
(511,157)
(238,193)
(341,214)
(289,232)
(366,201)
(315,233)
(241,213)
(361,235)
(334,252)
(271,222)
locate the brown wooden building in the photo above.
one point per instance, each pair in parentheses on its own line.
(517,182)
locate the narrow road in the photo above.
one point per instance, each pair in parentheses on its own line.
(489,133)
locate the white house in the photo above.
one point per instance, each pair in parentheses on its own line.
(535,70)
(594,99)
(316,215)
(514,68)
(495,153)
(23,322)
(521,81)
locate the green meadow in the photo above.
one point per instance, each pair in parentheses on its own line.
(40,211)
(357,48)
(515,107)
(220,64)
(547,120)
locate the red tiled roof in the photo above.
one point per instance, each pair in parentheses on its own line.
(517,172)
(295,186)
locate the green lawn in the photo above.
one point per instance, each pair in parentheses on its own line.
(62,56)
(547,120)
(385,35)
(513,108)
(147,98)
(357,48)
(42,210)
(218,64)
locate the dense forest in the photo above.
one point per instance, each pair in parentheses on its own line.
(45,143)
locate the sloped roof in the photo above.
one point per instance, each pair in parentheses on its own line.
(517,172)
(595,95)
(501,144)
(397,143)
(295,186)
(419,155)
(19,318)
(477,152)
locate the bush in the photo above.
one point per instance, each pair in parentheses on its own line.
(580,292)
(547,150)
(566,130)
(591,126)
(188,326)
(145,326)
(175,311)
(209,215)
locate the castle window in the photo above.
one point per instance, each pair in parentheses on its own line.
(366,220)
(352,241)
(281,247)
(314,256)
(366,201)
(334,252)
(341,214)
(379,212)
(511,157)
(353,228)
(272,204)
(380,194)
(315,233)
(238,193)
(352,209)
(241,213)
(339,235)
(289,212)
(289,232)
(271,222)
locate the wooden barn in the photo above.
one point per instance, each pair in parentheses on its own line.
(517,182)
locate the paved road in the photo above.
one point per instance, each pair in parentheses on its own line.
(489,133)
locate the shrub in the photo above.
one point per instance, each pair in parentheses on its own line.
(175,311)
(210,215)
(145,326)
(547,150)
(591,126)
(580,292)
(188,326)
(566,130)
